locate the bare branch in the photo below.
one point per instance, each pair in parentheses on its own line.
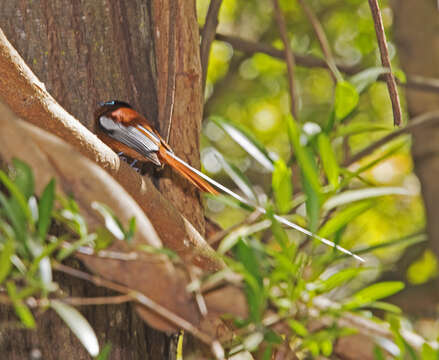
(385,60)
(251,47)
(321,37)
(289,57)
(424,120)
(208,35)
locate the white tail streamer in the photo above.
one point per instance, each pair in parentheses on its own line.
(281,219)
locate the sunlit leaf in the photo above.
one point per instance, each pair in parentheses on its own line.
(339,278)
(5,258)
(231,239)
(367,77)
(239,178)
(428,353)
(351,196)
(346,99)
(329,160)
(45,207)
(344,217)
(374,292)
(282,186)
(252,341)
(22,311)
(246,140)
(304,159)
(298,327)
(380,305)
(78,324)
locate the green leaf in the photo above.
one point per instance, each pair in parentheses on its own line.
(238,177)
(351,196)
(231,239)
(105,352)
(339,278)
(78,324)
(381,305)
(15,217)
(22,311)
(359,127)
(365,78)
(304,158)
(246,140)
(344,217)
(298,328)
(45,207)
(428,353)
(346,99)
(374,292)
(378,354)
(16,194)
(329,160)
(282,186)
(5,258)
(24,178)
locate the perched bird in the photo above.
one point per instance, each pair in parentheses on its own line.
(123,129)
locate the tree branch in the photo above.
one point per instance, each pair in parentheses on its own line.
(208,35)
(289,57)
(251,47)
(385,60)
(324,44)
(424,120)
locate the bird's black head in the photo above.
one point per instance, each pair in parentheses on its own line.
(108,106)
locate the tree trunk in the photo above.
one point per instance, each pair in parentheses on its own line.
(93,50)
(416,36)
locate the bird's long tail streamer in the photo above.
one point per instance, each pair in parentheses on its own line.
(281,219)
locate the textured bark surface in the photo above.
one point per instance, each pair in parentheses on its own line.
(417,39)
(88,51)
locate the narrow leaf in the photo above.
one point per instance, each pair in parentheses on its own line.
(24,178)
(20,307)
(246,140)
(5,259)
(329,160)
(282,186)
(45,207)
(346,99)
(351,196)
(374,292)
(367,77)
(344,217)
(16,194)
(78,324)
(239,178)
(336,280)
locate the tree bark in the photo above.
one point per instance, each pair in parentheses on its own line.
(86,52)
(416,37)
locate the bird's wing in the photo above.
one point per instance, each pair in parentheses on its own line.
(133,136)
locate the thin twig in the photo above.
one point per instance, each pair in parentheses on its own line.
(289,57)
(139,297)
(323,40)
(106,300)
(385,60)
(208,35)
(170,85)
(251,218)
(251,47)
(426,119)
